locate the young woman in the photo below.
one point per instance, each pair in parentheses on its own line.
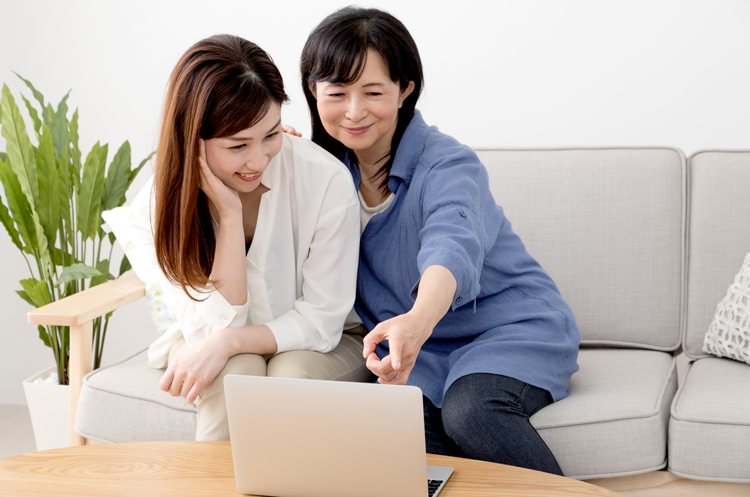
(453,302)
(252,235)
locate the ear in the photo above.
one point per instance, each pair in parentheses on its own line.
(405,93)
(311,87)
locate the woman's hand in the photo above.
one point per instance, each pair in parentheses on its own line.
(226,200)
(193,371)
(289,130)
(405,334)
(408,332)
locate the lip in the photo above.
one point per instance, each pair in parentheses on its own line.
(358,130)
(252,178)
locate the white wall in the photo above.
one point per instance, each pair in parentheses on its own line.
(498,74)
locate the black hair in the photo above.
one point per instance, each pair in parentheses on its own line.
(336,52)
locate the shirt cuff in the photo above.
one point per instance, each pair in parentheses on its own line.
(214,313)
(288,332)
(466,291)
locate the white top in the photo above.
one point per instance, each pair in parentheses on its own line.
(301,266)
(366,212)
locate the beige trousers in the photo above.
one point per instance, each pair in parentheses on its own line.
(344,363)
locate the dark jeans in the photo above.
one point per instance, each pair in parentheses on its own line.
(486,417)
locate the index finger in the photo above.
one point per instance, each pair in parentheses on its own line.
(371,340)
(202,149)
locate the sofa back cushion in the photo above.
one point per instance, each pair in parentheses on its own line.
(608,225)
(718,235)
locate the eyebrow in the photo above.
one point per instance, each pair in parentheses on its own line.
(241,139)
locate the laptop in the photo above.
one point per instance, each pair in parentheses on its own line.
(310,438)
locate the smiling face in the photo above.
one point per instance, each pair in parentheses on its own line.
(239,160)
(364,114)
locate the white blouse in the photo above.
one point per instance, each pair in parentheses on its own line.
(301,266)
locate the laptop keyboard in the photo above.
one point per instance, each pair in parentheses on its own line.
(432,486)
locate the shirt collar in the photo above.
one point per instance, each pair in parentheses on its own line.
(410,149)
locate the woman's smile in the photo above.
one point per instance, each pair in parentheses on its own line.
(357,130)
(249,177)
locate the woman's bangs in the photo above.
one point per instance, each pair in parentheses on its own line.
(232,111)
(341,63)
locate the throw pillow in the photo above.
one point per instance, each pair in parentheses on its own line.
(729,333)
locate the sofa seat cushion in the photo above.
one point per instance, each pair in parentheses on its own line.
(123,403)
(709,433)
(614,422)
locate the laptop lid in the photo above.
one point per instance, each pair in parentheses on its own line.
(309,438)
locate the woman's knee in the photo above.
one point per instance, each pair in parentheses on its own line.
(245,364)
(344,363)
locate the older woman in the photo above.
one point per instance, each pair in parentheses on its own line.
(453,301)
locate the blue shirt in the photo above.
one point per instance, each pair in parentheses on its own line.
(507,316)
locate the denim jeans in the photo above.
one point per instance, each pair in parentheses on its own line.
(486,417)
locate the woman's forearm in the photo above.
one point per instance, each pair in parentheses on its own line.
(437,287)
(248,340)
(228,271)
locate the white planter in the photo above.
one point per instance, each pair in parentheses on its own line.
(49,407)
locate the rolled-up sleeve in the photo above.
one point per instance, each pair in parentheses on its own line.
(452,235)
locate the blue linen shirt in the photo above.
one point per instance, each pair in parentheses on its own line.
(507,316)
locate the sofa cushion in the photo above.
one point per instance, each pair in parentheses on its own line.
(709,433)
(123,403)
(718,236)
(608,225)
(614,423)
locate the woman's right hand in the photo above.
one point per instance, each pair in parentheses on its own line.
(224,199)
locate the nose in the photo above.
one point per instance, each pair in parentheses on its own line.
(257,159)
(355,109)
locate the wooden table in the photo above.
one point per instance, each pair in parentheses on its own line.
(205,469)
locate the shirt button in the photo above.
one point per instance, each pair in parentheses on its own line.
(459,301)
(224,318)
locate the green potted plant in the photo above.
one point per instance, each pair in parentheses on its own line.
(55,198)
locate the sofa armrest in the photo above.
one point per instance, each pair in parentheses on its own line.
(88,305)
(79,311)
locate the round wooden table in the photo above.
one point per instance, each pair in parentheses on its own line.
(205,468)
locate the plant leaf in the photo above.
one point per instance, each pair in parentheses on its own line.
(37,291)
(103,268)
(18,204)
(38,96)
(124,265)
(34,116)
(48,201)
(75,152)
(8,223)
(137,170)
(90,192)
(48,113)
(20,151)
(118,179)
(77,271)
(44,336)
(60,128)
(25,296)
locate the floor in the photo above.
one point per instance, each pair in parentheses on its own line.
(16,435)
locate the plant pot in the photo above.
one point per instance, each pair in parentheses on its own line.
(49,409)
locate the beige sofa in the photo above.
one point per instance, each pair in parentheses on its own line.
(642,244)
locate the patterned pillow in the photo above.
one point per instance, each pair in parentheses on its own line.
(140,257)
(729,333)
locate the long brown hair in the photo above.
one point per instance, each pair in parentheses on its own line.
(220,86)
